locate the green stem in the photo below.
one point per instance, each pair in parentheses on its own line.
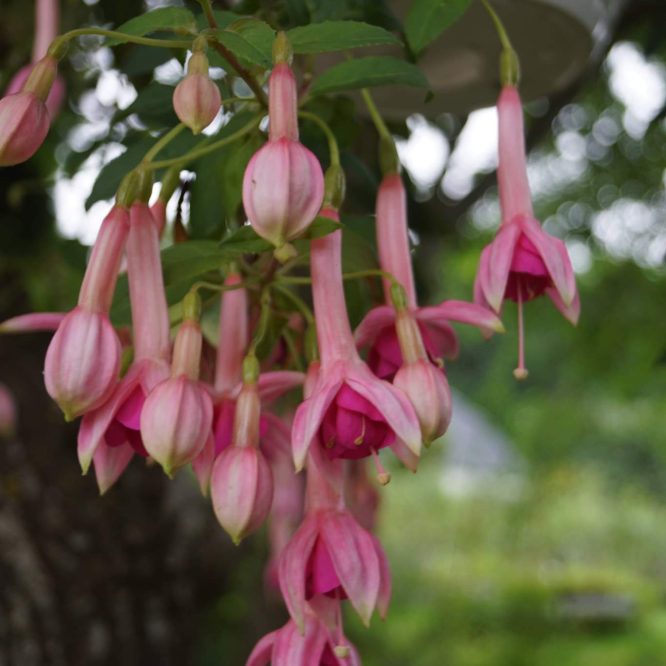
(113,34)
(376,116)
(333,149)
(501,31)
(205,150)
(208,12)
(288,336)
(297,301)
(163,141)
(355,275)
(262,326)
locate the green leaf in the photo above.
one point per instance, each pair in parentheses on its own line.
(191,260)
(321,226)
(154,105)
(338,36)
(250,40)
(368,72)
(207,205)
(427,19)
(245,240)
(174,19)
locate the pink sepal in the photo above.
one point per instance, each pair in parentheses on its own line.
(496,263)
(373,324)
(110,462)
(33,321)
(202,465)
(570,312)
(272,385)
(463,312)
(263,650)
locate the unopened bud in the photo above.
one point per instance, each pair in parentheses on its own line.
(196,99)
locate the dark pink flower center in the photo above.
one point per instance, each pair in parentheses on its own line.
(352,427)
(320,576)
(385,357)
(528,276)
(126,425)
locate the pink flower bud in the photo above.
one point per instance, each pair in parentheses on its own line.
(283,185)
(24,117)
(175,422)
(82,362)
(7,412)
(242,490)
(428,391)
(56,96)
(196,99)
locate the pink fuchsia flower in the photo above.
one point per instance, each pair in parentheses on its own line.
(320,643)
(24,117)
(110,435)
(177,416)
(350,413)
(330,553)
(283,185)
(7,412)
(83,359)
(241,481)
(196,99)
(523,262)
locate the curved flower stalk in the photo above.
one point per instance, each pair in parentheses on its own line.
(83,358)
(331,554)
(350,413)
(283,184)
(377,330)
(47,20)
(321,643)
(110,435)
(523,262)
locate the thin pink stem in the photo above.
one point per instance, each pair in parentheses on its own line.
(233,336)
(282,104)
(99,282)
(521,371)
(514,187)
(47,21)
(325,481)
(187,350)
(393,236)
(334,334)
(150,315)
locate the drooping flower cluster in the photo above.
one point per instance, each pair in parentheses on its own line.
(150,390)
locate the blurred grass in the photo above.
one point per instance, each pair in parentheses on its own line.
(484,582)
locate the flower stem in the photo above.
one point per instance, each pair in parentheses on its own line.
(333,149)
(509,64)
(113,34)
(163,141)
(297,301)
(206,149)
(521,371)
(262,326)
(375,115)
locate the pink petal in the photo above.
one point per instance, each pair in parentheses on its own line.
(498,262)
(273,384)
(556,258)
(355,560)
(34,321)
(384,596)
(202,465)
(94,424)
(309,416)
(304,648)
(292,567)
(110,462)
(405,455)
(465,313)
(261,655)
(571,311)
(390,402)
(373,324)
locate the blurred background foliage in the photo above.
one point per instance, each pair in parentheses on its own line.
(563,562)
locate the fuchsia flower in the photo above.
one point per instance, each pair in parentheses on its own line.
(377,330)
(283,185)
(177,415)
(110,435)
(83,359)
(321,643)
(330,553)
(24,117)
(523,262)
(241,481)
(47,19)
(196,99)
(350,413)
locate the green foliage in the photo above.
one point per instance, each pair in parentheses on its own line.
(369,72)
(427,19)
(175,19)
(250,40)
(332,36)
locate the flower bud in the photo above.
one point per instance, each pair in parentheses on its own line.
(283,188)
(82,362)
(7,412)
(176,421)
(242,490)
(196,99)
(428,390)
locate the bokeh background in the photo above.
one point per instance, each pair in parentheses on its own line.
(534,533)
